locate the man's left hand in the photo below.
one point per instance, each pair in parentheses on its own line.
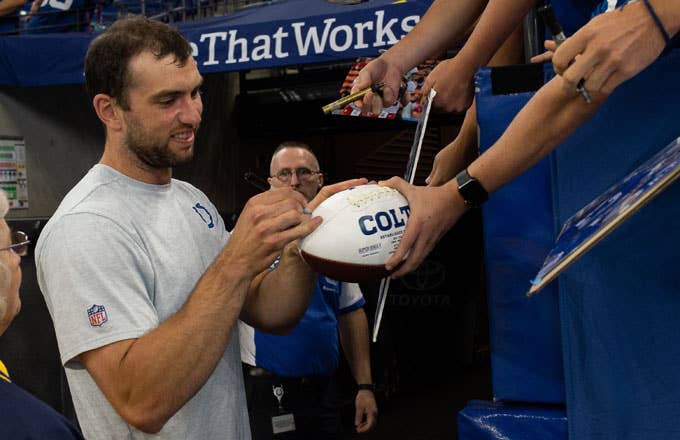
(366,413)
(328,190)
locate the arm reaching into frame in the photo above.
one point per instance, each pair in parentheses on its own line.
(547,119)
(429,38)
(464,148)
(444,22)
(551,116)
(615,46)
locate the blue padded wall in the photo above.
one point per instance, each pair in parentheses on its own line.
(620,303)
(618,306)
(519,230)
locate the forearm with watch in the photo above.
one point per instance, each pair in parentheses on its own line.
(546,120)
(471,190)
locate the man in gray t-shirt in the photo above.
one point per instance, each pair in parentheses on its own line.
(142,280)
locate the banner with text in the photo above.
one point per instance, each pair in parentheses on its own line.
(287,32)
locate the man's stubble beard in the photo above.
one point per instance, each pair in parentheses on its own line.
(152,152)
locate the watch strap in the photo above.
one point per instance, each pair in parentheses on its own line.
(366,386)
(472,192)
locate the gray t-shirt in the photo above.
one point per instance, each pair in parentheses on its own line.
(117,258)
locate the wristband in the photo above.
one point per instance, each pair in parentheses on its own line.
(366,386)
(657,20)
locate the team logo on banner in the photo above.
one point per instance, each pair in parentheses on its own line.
(97,315)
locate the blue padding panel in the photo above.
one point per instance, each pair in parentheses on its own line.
(519,230)
(620,303)
(481,420)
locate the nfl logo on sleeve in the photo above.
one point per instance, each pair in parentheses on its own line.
(97,315)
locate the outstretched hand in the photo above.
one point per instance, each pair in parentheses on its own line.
(434,210)
(444,167)
(453,81)
(609,49)
(450,160)
(378,70)
(546,56)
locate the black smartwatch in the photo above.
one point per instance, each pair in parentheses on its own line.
(471,190)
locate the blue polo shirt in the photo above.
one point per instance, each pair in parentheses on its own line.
(311,349)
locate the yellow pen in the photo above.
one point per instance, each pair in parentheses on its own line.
(342,102)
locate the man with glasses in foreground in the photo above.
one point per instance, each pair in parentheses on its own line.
(143,282)
(289,383)
(21,414)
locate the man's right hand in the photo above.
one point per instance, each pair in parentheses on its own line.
(273,219)
(278,298)
(268,222)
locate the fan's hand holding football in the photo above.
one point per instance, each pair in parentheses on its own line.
(269,221)
(434,210)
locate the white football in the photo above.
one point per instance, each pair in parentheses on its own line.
(362,227)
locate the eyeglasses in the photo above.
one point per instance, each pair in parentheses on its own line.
(19,244)
(303,174)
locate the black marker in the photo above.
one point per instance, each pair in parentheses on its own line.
(557,33)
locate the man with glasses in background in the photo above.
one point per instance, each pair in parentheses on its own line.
(289,384)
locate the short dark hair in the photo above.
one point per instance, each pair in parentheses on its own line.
(109,55)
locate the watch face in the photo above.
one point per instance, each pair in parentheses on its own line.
(471,190)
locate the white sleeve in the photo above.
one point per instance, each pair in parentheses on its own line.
(351,297)
(97,281)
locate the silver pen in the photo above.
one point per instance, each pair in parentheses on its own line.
(557,33)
